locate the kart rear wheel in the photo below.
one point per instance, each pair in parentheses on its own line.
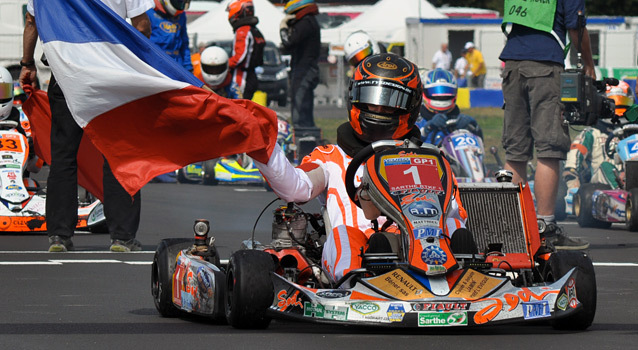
(583,206)
(209,173)
(162,273)
(557,266)
(631,210)
(249,290)
(181,177)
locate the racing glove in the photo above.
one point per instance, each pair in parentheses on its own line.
(571,178)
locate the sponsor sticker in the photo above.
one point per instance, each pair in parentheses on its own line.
(571,293)
(364,307)
(285,301)
(400,285)
(330,312)
(395,312)
(423,210)
(441,306)
(433,255)
(425,232)
(536,309)
(333,294)
(421,172)
(474,285)
(562,302)
(442,319)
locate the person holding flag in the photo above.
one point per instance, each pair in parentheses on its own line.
(122,212)
(129,98)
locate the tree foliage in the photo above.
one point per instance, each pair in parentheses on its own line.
(592,7)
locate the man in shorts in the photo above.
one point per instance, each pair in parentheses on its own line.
(534,56)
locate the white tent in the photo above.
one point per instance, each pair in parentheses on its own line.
(384,21)
(214,26)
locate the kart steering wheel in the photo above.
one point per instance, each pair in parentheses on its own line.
(356,162)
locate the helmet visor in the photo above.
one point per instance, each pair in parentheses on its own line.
(440,92)
(358,56)
(383,93)
(6,92)
(214,69)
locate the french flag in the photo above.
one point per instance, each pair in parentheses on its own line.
(143,111)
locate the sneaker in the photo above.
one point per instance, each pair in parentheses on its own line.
(59,244)
(553,236)
(121,246)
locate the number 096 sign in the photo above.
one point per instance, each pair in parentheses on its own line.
(410,173)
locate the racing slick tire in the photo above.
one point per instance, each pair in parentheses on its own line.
(631,210)
(181,177)
(583,206)
(209,173)
(249,289)
(162,272)
(558,265)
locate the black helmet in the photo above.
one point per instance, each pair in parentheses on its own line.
(385,97)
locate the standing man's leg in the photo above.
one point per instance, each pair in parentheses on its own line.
(122,213)
(304,99)
(62,182)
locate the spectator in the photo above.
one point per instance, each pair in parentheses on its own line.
(534,58)
(374,116)
(168,30)
(477,65)
(301,36)
(248,49)
(460,69)
(442,58)
(122,212)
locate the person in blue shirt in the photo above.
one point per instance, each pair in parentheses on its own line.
(534,58)
(168,30)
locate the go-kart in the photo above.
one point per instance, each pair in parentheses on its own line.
(234,169)
(496,272)
(22,199)
(596,205)
(463,148)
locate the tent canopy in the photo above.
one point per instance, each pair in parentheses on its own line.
(214,26)
(384,21)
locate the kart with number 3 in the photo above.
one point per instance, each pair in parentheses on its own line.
(495,272)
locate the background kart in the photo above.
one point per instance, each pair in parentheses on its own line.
(22,199)
(596,205)
(421,282)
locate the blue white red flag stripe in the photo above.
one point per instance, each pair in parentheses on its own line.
(142,110)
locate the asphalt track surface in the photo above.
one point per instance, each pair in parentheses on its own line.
(94,299)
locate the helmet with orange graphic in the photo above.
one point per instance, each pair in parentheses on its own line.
(172,7)
(385,97)
(238,9)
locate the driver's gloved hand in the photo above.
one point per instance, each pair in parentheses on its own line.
(436,123)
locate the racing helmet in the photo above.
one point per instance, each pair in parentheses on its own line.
(439,90)
(238,9)
(385,97)
(293,6)
(214,61)
(172,7)
(622,95)
(6,93)
(358,46)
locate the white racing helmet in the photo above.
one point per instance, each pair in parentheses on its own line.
(6,93)
(214,62)
(358,46)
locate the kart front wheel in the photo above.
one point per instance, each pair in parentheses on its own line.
(162,273)
(249,289)
(631,210)
(583,206)
(557,266)
(209,173)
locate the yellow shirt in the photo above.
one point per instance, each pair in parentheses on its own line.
(474,59)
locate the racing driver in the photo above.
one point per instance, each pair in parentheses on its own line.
(385,97)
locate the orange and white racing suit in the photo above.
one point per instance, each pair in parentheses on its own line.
(323,172)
